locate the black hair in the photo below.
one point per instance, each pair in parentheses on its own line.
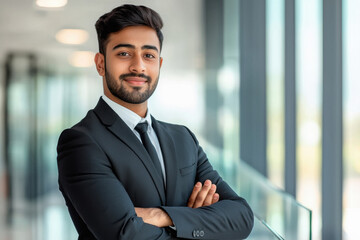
(125,16)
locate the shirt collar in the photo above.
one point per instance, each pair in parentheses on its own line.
(129,117)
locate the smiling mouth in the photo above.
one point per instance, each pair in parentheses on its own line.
(136,81)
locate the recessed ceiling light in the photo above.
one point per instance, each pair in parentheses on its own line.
(72,36)
(82,59)
(51,3)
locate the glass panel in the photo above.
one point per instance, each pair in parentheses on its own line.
(262,231)
(279,210)
(275,90)
(351,98)
(22,178)
(228,83)
(41,106)
(308,24)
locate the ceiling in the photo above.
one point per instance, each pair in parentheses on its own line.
(26,28)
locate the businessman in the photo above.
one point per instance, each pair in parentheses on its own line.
(126,175)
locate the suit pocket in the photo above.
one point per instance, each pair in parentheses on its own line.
(188,169)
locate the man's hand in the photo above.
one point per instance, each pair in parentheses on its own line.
(202,196)
(154,216)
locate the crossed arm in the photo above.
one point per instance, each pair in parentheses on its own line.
(201,196)
(87,181)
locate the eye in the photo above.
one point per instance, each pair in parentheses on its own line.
(123,54)
(148,55)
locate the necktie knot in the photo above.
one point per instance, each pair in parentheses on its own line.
(142,127)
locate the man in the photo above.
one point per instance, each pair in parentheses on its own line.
(123,182)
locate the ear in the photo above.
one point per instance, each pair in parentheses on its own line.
(100,63)
(161,61)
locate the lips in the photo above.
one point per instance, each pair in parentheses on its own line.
(136,81)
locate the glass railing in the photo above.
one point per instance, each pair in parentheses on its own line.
(277,214)
(262,231)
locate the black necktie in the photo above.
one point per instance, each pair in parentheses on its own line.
(141,128)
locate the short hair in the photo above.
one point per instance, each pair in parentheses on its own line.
(125,16)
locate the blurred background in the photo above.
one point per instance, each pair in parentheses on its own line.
(270,88)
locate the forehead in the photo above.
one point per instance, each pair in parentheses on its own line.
(135,35)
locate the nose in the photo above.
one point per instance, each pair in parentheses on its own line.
(137,65)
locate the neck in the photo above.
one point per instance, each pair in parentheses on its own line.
(140,109)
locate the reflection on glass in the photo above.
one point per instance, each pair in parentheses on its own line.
(40,107)
(228,85)
(309,82)
(275,90)
(283,215)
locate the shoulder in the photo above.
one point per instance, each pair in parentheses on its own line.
(177,130)
(171,127)
(82,129)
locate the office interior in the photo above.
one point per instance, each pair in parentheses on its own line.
(270,88)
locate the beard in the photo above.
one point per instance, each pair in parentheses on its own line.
(136,95)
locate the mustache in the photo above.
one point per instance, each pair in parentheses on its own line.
(141,75)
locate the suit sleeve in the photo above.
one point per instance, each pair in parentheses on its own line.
(95,197)
(230,218)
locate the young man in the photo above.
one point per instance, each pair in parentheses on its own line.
(126,175)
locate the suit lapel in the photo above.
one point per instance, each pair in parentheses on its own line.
(169,156)
(119,128)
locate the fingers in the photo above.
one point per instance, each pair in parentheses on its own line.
(216,198)
(205,195)
(210,196)
(194,194)
(154,216)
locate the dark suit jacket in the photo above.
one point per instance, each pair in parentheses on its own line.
(104,171)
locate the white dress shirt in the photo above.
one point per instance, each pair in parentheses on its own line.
(132,119)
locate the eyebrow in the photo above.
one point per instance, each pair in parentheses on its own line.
(133,47)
